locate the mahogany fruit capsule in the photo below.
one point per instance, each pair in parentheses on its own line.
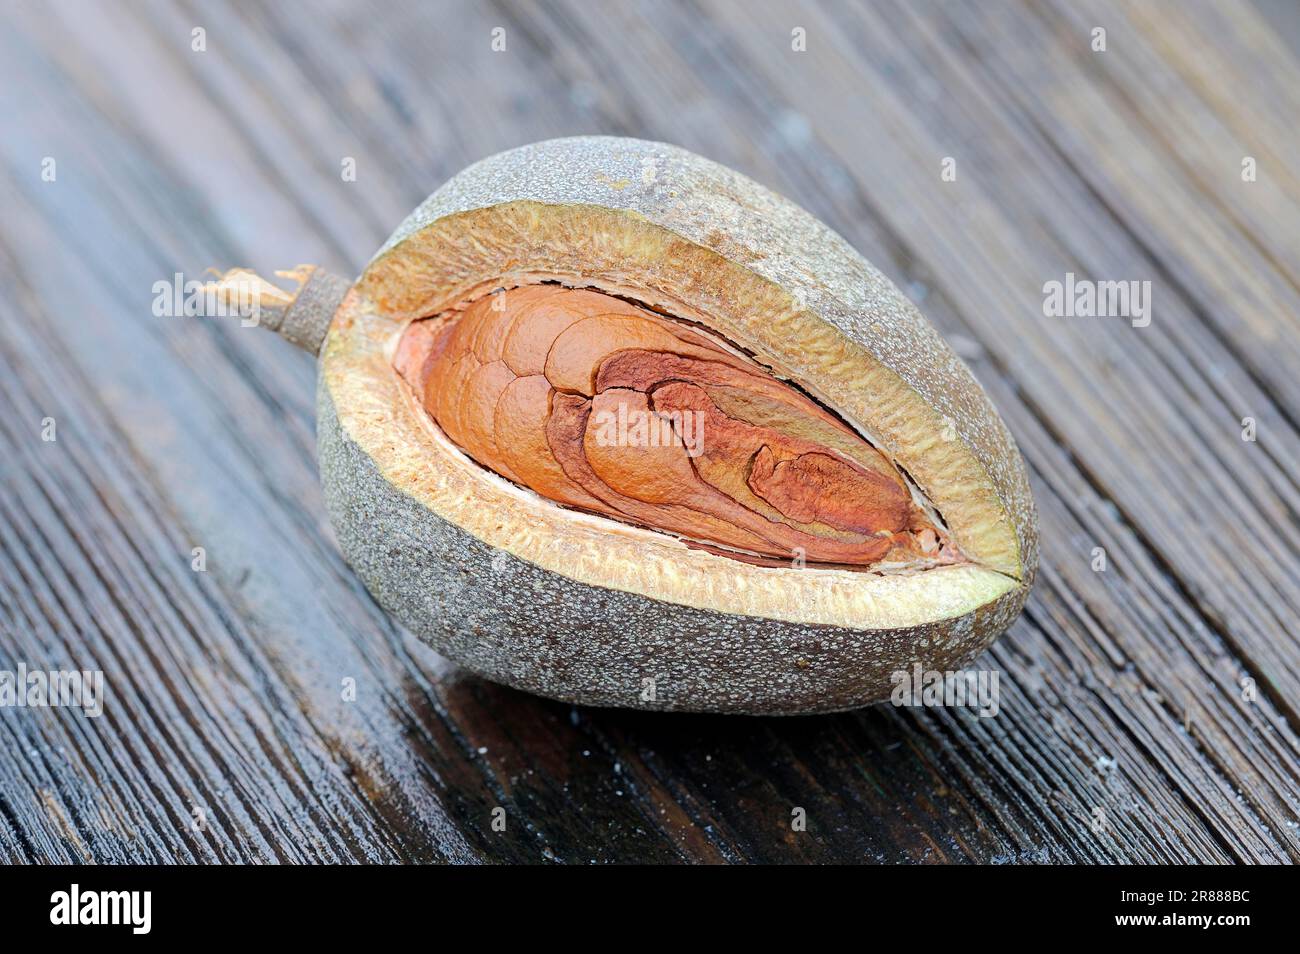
(611,423)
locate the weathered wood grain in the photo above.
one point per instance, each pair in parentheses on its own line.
(1124,734)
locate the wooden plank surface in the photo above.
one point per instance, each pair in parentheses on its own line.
(1148,713)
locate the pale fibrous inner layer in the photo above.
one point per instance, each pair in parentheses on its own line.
(603,406)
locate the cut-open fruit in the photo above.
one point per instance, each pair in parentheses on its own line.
(611,423)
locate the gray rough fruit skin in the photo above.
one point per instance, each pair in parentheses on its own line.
(447,587)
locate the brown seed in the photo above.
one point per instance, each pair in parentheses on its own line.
(621,421)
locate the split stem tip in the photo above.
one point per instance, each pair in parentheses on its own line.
(301,316)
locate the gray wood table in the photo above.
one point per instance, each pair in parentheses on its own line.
(1148,708)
